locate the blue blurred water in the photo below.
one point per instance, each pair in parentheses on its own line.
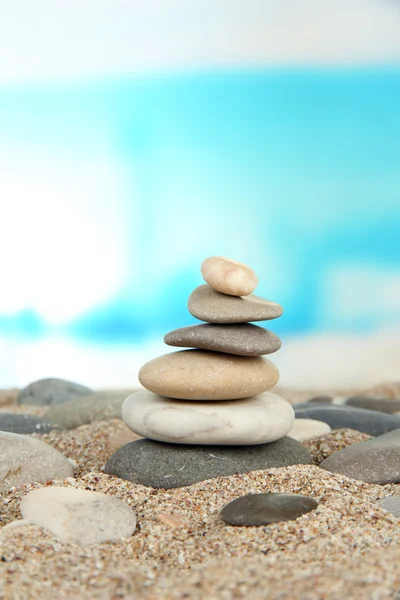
(296,172)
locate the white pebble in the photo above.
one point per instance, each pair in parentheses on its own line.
(79,516)
(307,429)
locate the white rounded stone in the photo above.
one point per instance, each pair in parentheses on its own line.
(307,429)
(257,420)
(79,516)
(228,276)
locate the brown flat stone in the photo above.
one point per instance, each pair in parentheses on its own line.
(201,375)
(208,305)
(242,339)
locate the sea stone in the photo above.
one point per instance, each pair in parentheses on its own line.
(100,406)
(228,276)
(18,423)
(160,465)
(379,404)
(263,509)
(201,375)
(243,339)
(256,420)
(51,391)
(391,504)
(321,400)
(308,429)
(207,304)
(26,460)
(78,516)
(374,461)
(345,417)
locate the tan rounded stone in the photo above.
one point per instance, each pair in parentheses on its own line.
(200,375)
(207,304)
(228,276)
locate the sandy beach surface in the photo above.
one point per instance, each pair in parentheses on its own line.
(348,548)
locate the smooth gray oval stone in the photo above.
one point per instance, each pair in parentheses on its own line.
(17,423)
(100,406)
(373,461)
(243,339)
(391,504)
(208,305)
(320,400)
(162,465)
(263,509)
(24,459)
(379,404)
(346,417)
(51,391)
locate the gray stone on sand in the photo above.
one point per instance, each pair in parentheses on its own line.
(208,305)
(24,460)
(243,339)
(374,461)
(18,423)
(346,417)
(391,504)
(100,406)
(379,404)
(51,391)
(162,465)
(78,516)
(320,400)
(263,509)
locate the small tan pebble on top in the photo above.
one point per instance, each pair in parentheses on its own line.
(228,276)
(322,447)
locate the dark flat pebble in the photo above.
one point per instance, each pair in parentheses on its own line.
(263,509)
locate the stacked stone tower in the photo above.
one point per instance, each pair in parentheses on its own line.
(216,392)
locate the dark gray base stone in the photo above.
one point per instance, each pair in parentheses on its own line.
(51,391)
(346,417)
(373,461)
(263,509)
(17,423)
(161,465)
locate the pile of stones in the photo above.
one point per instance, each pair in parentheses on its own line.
(214,394)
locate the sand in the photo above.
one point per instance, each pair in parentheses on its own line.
(348,548)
